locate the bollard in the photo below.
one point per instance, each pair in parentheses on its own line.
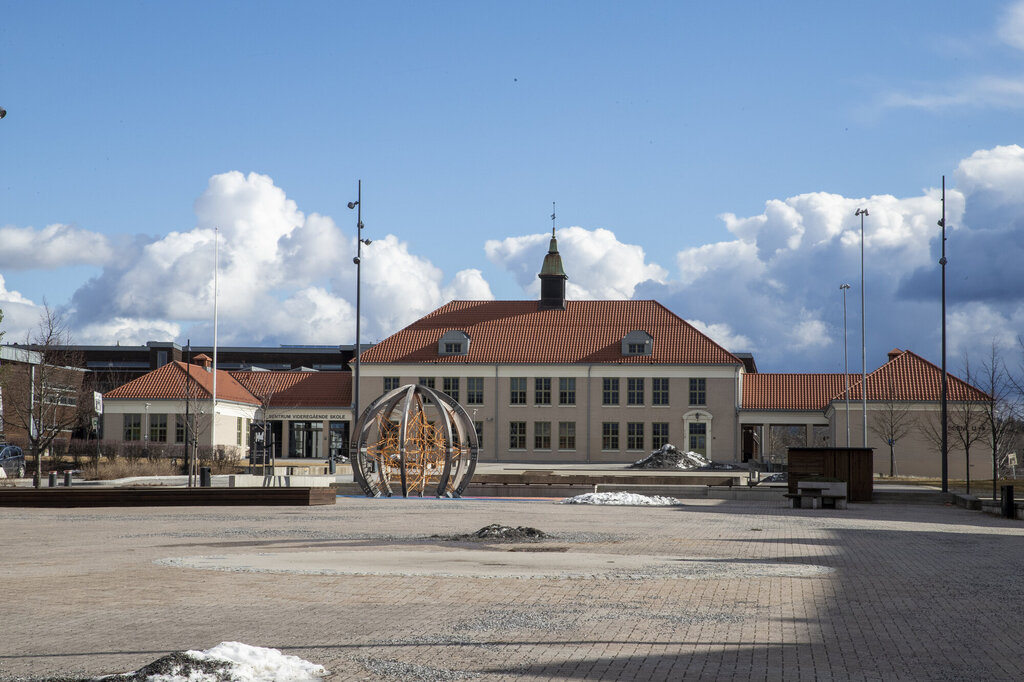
(53,479)
(1008,510)
(67,479)
(204,477)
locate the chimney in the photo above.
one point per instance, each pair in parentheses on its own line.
(894,353)
(204,361)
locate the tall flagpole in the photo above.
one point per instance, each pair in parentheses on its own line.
(216,267)
(863,334)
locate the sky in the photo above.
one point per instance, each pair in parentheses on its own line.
(710,156)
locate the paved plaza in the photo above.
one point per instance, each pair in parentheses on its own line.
(713,589)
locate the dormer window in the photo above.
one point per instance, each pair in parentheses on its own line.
(637,342)
(454,342)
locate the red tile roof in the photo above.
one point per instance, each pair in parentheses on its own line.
(169,383)
(906,377)
(517,332)
(766,391)
(299,389)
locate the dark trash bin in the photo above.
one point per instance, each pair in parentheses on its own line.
(1008,506)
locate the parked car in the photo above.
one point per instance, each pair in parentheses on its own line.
(12,459)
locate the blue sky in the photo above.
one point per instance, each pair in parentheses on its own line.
(709,156)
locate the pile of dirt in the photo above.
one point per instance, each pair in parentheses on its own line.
(669,456)
(499,533)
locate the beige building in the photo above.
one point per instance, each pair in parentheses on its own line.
(608,381)
(307,412)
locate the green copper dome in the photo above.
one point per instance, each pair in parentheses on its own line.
(552,261)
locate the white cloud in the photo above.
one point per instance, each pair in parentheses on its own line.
(809,333)
(54,246)
(999,170)
(773,287)
(1011,26)
(598,265)
(126,331)
(284,277)
(468,285)
(972,329)
(21,315)
(978,91)
(722,334)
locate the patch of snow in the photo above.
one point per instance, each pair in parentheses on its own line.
(624,499)
(240,663)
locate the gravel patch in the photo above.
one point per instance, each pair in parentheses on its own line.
(390,669)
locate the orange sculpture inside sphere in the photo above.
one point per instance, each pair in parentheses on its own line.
(415,440)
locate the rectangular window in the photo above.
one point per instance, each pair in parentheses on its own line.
(659,391)
(450,385)
(158,428)
(566,435)
(133,427)
(541,435)
(567,391)
(635,436)
(699,438)
(517,435)
(634,391)
(429,383)
(452,348)
(475,391)
(479,426)
(636,348)
(390,383)
(698,391)
(542,391)
(610,392)
(610,436)
(517,391)
(238,431)
(179,428)
(659,434)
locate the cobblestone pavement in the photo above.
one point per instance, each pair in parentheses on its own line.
(710,590)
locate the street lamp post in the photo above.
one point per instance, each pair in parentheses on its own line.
(358,205)
(863,345)
(945,415)
(846,367)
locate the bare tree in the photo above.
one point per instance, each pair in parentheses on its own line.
(967,421)
(892,422)
(999,409)
(44,397)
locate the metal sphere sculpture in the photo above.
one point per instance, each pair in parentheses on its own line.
(415,440)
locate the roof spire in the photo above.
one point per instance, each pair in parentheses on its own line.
(552,276)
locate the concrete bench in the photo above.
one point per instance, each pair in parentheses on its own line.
(813,499)
(819,495)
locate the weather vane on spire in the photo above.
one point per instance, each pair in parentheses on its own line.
(552,219)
